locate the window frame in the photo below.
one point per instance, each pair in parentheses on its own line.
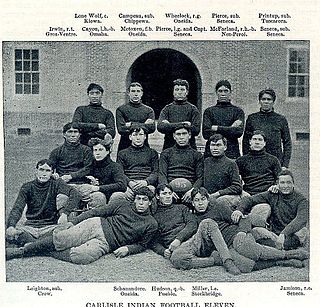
(307,74)
(27,76)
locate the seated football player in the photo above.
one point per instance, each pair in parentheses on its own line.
(258,169)
(123,228)
(139,162)
(72,161)
(48,201)
(221,174)
(289,213)
(219,241)
(175,223)
(106,177)
(181,161)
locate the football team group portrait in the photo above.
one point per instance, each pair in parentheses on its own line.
(218,190)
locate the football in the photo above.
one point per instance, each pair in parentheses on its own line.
(180,185)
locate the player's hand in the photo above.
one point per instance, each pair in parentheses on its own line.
(121,252)
(187,196)
(66,178)
(283,168)
(174,244)
(12,233)
(187,123)
(280,241)
(214,127)
(167,253)
(165,121)
(149,121)
(102,126)
(63,219)
(93,180)
(128,124)
(175,196)
(139,184)
(236,215)
(55,176)
(274,189)
(237,123)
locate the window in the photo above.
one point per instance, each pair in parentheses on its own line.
(26,62)
(298,76)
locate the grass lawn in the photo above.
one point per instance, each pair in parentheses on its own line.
(21,155)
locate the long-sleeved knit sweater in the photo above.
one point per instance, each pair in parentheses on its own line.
(223,115)
(123,225)
(259,171)
(140,163)
(72,159)
(177,112)
(174,222)
(110,175)
(289,212)
(40,199)
(88,117)
(181,162)
(134,113)
(221,174)
(276,129)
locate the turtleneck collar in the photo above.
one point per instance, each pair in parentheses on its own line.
(42,185)
(136,147)
(184,101)
(107,160)
(95,105)
(264,112)
(135,105)
(257,152)
(182,147)
(224,103)
(71,145)
(218,157)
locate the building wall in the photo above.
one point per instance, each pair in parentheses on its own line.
(66,69)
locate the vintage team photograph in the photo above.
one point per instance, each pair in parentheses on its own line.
(156,161)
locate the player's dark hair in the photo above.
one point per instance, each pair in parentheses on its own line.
(43,162)
(268,91)
(217,137)
(182,83)
(94,86)
(225,83)
(203,192)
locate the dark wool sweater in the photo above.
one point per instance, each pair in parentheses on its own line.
(72,159)
(88,118)
(276,129)
(174,222)
(40,199)
(181,162)
(289,212)
(221,174)
(259,171)
(110,175)
(134,113)
(175,113)
(140,163)
(222,215)
(123,225)
(223,115)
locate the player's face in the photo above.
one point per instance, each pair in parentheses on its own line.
(180,92)
(182,137)
(200,202)
(223,93)
(100,152)
(72,135)
(266,103)
(165,197)
(137,138)
(217,149)
(141,203)
(43,173)
(257,142)
(286,184)
(135,94)
(95,96)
